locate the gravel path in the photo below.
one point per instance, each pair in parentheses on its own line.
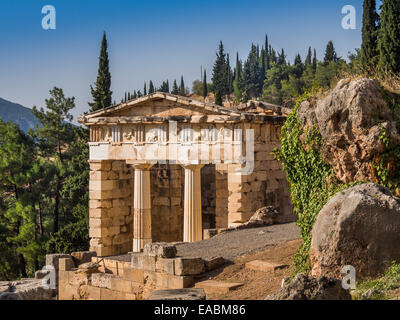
(236,243)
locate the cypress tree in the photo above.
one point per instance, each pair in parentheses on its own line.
(205,89)
(315,61)
(219,75)
(298,67)
(182,90)
(267,57)
(175,89)
(229,76)
(102,93)
(145,89)
(262,69)
(369,50)
(134,94)
(309,57)
(151,87)
(251,74)
(389,37)
(238,68)
(330,53)
(282,58)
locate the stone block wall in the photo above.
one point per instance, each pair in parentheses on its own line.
(265,186)
(166,203)
(208,196)
(110,214)
(222,193)
(109,279)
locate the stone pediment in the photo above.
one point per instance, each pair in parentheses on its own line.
(157,107)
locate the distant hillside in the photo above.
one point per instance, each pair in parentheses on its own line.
(18,114)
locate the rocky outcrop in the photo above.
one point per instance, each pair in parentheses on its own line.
(359,227)
(303,287)
(350,119)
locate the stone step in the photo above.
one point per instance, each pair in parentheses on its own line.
(213,286)
(265,266)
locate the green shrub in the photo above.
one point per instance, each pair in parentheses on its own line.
(311,179)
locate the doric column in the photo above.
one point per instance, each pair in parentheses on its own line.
(192,222)
(141,206)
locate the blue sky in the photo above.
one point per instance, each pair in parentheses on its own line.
(155,40)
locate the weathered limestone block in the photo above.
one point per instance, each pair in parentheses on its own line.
(121,285)
(149,263)
(214,263)
(213,286)
(134,275)
(160,249)
(53,259)
(40,274)
(66,264)
(189,266)
(165,265)
(178,294)
(101,280)
(27,289)
(137,260)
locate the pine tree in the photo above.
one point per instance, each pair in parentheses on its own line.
(182,90)
(330,54)
(102,93)
(205,88)
(145,89)
(175,89)
(309,57)
(151,87)
(389,37)
(369,50)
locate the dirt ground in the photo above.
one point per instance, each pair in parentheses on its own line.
(257,284)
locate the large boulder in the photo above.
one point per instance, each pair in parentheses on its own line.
(351,118)
(303,287)
(359,227)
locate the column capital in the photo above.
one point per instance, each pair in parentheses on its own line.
(192,166)
(137,165)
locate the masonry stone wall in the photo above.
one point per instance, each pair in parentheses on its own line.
(208,196)
(167,203)
(110,207)
(265,186)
